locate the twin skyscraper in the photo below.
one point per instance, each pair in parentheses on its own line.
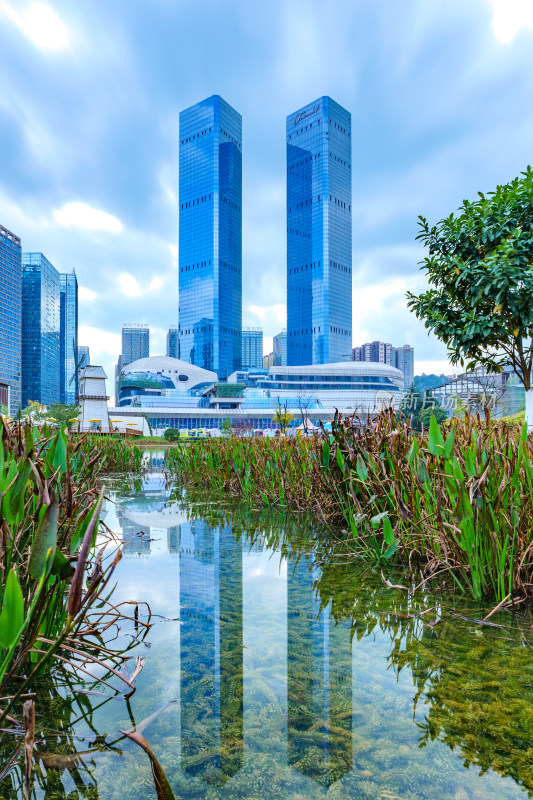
(319,235)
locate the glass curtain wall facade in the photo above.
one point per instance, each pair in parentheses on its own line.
(68,351)
(280,349)
(41,326)
(135,343)
(252,348)
(10,320)
(84,357)
(173,343)
(210,236)
(319,234)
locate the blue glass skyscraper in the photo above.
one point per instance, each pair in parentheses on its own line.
(135,343)
(68,347)
(210,237)
(10,320)
(84,357)
(252,348)
(173,342)
(319,234)
(41,373)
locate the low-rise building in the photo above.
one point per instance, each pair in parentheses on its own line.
(176,394)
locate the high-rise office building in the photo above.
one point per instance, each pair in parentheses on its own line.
(319,234)
(210,236)
(10,320)
(41,327)
(173,342)
(252,348)
(404,360)
(135,342)
(84,357)
(68,345)
(280,349)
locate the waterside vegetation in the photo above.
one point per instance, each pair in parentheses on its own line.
(454,503)
(54,593)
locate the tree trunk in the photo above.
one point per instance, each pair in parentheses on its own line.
(529,409)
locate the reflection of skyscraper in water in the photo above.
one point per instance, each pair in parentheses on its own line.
(173,540)
(319,683)
(211,652)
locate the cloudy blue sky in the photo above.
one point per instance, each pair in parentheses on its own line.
(441,96)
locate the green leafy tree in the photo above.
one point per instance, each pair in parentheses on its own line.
(425,415)
(34,411)
(480,267)
(282,417)
(63,414)
(226,426)
(412,404)
(4,410)
(171,435)
(416,403)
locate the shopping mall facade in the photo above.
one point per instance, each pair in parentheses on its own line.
(175,394)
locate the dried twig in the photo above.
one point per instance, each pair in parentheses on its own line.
(29,739)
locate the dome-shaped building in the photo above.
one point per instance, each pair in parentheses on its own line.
(156,375)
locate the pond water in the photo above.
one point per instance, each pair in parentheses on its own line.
(285,671)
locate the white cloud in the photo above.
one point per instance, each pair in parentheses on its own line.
(436,368)
(278,310)
(86,294)
(509,16)
(174,252)
(40,23)
(81,215)
(100,342)
(155,284)
(129,285)
(371,303)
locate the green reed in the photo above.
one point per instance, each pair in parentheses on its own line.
(117,454)
(49,517)
(456,501)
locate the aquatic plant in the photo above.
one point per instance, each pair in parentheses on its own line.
(455,501)
(116,455)
(51,574)
(459,500)
(414,709)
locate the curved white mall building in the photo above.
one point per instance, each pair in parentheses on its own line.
(175,394)
(352,387)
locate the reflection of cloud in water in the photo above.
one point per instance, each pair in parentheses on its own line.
(136,537)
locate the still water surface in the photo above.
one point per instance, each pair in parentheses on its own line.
(290,673)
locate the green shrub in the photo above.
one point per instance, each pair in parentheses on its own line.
(171,435)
